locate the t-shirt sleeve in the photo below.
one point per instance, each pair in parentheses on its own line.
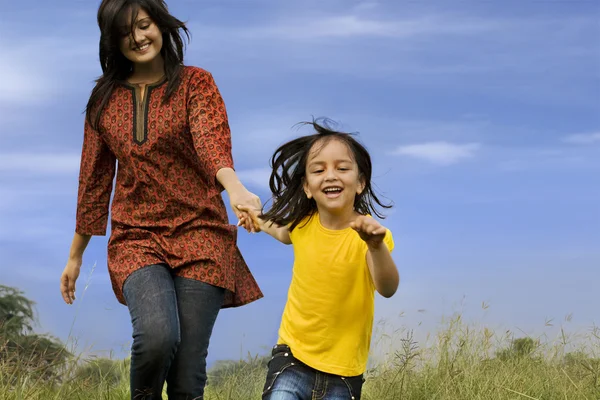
(299,229)
(96,174)
(209,125)
(389,240)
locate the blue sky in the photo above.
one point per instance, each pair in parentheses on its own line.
(483,121)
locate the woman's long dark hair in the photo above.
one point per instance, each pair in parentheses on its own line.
(115,66)
(290,204)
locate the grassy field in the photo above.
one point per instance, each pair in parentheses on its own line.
(460,362)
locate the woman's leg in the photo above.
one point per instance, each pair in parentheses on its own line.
(151,299)
(198,304)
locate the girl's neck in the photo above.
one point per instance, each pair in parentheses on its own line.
(337,221)
(148,72)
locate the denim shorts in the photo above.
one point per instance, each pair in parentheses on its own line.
(290,379)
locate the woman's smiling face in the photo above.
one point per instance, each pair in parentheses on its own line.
(144,42)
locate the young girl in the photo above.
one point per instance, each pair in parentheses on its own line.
(172,255)
(322,201)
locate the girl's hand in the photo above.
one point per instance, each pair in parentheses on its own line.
(240,196)
(369,230)
(250,218)
(68,279)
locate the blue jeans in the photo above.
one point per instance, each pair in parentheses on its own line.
(172,320)
(290,379)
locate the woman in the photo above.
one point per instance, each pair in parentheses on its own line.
(172,255)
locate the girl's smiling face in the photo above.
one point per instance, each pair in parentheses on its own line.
(332,177)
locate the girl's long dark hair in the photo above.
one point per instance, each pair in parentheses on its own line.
(290,204)
(115,66)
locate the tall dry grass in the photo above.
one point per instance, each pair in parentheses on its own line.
(460,361)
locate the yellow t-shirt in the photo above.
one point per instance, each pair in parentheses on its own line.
(328,317)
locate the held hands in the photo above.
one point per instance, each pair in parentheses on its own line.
(249,218)
(68,279)
(242,201)
(369,230)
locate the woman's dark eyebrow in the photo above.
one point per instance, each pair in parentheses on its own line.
(126,27)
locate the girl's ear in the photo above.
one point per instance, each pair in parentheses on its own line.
(306,190)
(361,185)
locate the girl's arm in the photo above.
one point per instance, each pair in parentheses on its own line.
(379,258)
(280,233)
(383,269)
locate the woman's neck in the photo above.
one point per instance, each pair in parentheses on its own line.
(148,72)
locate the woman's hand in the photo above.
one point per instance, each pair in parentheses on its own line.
(68,279)
(71,271)
(251,216)
(240,196)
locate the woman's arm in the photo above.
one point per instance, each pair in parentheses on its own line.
(209,126)
(96,174)
(73,267)
(78,246)
(238,195)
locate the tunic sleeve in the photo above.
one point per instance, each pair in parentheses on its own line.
(96,173)
(209,125)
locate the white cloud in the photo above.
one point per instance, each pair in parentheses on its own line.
(546,159)
(583,138)
(30,230)
(482,52)
(19,83)
(441,153)
(40,163)
(256,135)
(351,26)
(366,6)
(27,80)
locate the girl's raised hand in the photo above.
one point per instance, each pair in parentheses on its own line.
(371,231)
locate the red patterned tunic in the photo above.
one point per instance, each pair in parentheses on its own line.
(167,205)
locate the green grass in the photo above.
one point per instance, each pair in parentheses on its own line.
(459,362)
